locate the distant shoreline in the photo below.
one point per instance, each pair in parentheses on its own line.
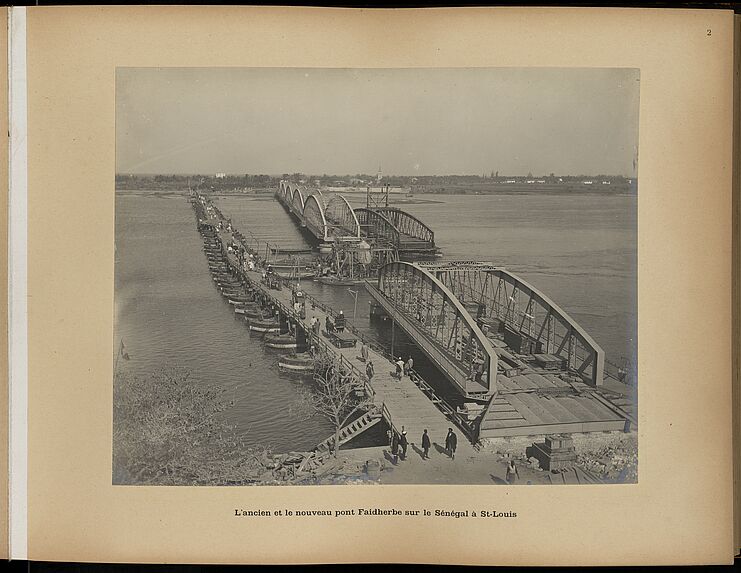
(421,197)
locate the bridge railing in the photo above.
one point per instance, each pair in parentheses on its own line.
(469,427)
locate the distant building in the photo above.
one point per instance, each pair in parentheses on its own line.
(220,175)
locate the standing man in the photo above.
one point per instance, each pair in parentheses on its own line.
(451,441)
(425,445)
(364,353)
(369,371)
(409,365)
(395,446)
(512,473)
(403,442)
(400,367)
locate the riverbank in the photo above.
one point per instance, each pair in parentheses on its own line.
(610,458)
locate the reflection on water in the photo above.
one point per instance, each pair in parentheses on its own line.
(580,250)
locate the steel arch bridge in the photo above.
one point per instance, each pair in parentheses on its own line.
(375,224)
(336,218)
(297,202)
(407,224)
(341,218)
(526,316)
(314,219)
(430,313)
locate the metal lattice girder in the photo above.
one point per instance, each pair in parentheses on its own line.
(341,218)
(407,224)
(314,218)
(526,311)
(434,317)
(375,224)
(434,266)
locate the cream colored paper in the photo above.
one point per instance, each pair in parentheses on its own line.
(737,283)
(4,419)
(681,510)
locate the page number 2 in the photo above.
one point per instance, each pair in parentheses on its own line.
(708,32)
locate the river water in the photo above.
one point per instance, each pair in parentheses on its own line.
(578,249)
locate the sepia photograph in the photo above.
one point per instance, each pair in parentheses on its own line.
(330,276)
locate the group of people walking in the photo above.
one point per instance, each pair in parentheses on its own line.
(403,368)
(400,443)
(316,326)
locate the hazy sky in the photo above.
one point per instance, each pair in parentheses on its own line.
(407,121)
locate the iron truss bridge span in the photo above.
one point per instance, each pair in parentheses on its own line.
(332,219)
(405,232)
(530,321)
(430,313)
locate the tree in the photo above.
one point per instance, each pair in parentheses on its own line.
(170,430)
(335,397)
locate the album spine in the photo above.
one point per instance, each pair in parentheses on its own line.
(736,284)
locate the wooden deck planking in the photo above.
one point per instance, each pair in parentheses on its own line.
(565,415)
(531,417)
(506,383)
(579,405)
(600,410)
(539,406)
(543,380)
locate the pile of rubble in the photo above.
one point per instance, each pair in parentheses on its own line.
(295,468)
(292,467)
(615,461)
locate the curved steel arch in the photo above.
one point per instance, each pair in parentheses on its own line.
(442,327)
(527,312)
(341,217)
(375,224)
(314,217)
(297,201)
(287,195)
(281,192)
(407,224)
